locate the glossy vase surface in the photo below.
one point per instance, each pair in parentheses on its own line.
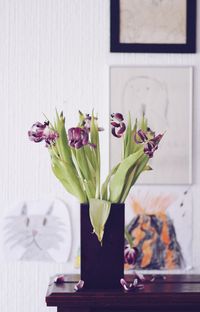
(102,266)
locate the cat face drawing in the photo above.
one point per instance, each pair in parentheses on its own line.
(38,234)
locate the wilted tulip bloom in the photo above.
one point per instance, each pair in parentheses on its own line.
(130,254)
(140,137)
(118,125)
(149,139)
(152,145)
(41,132)
(36,133)
(78,137)
(86,122)
(50,137)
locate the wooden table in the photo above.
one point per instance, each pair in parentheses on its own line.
(175,293)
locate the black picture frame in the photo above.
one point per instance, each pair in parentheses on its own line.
(117,46)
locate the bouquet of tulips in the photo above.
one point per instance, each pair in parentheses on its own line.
(75,160)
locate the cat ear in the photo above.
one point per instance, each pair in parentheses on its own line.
(24,209)
(49,211)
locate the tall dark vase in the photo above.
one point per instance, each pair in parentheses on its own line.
(102,266)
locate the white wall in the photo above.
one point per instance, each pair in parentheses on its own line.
(55,53)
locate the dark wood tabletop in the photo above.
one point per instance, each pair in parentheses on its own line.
(174,293)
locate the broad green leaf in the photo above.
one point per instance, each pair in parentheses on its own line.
(134,175)
(119,179)
(141,167)
(127,186)
(62,141)
(67,172)
(99,212)
(69,185)
(64,160)
(104,188)
(82,163)
(90,189)
(90,165)
(90,155)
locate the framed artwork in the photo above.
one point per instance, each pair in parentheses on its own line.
(39,230)
(159,219)
(153,26)
(164,95)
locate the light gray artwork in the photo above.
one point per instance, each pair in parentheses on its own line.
(153,21)
(164,95)
(37,231)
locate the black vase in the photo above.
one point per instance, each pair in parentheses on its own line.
(102,266)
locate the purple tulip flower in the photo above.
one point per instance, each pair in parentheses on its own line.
(87,123)
(36,133)
(78,137)
(140,137)
(150,145)
(118,125)
(41,132)
(130,254)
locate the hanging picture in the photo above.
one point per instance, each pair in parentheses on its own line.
(37,230)
(159,220)
(153,26)
(164,95)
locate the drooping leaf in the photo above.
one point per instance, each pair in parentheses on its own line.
(119,179)
(99,212)
(71,185)
(64,161)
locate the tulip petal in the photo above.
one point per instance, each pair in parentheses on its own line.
(114,133)
(79,285)
(122,129)
(118,116)
(115,124)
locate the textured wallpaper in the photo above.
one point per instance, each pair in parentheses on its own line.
(55,53)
